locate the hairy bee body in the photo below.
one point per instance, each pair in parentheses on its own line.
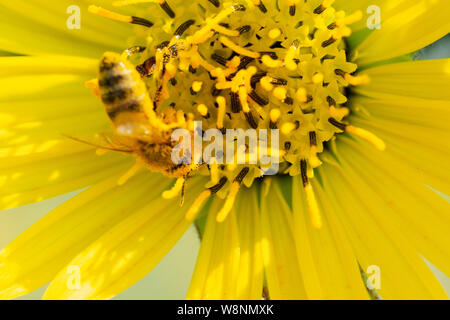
(130,109)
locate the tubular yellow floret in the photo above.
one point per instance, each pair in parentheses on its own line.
(108,14)
(271,63)
(314,160)
(357,80)
(287,128)
(243,99)
(229,202)
(130,173)
(314,212)
(203,110)
(280,93)
(122,3)
(275,115)
(367,135)
(193,210)
(242,51)
(274,33)
(225,31)
(175,190)
(221,111)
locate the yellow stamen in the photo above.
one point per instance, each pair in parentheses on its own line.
(314,212)
(367,135)
(197,86)
(280,93)
(130,173)
(357,80)
(225,31)
(271,63)
(221,111)
(223,213)
(193,210)
(203,110)
(242,51)
(175,190)
(274,33)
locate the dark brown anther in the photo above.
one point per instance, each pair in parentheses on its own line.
(304,172)
(258,99)
(215,3)
(319,9)
(332,26)
(256,78)
(141,22)
(331,101)
(340,72)
(337,124)
(214,91)
(262,7)
(235,102)
(244,29)
(292,10)
(287,145)
(167,9)
(251,120)
(312,138)
(219,59)
(289,101)
(328,42)
(245,61)
(279,81)
(183,27)
(214,189)
(162,45)
(241,175)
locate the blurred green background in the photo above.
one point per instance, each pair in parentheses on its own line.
(170,279)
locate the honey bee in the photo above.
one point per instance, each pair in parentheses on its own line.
(137,126)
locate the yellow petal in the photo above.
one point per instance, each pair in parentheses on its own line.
(216,272)
(40,27)
(327,261)
(427,79)
(415,25)
(251,268)
(421,213)
(35,257)
(36,160)
(130,249)
(283,274)
(415,132)
(375,223)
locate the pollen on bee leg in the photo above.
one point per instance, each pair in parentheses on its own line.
(130,173)
(368,136)
(175,190)
(313,208)
(93,85)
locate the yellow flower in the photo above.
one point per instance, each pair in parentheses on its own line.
(359,150)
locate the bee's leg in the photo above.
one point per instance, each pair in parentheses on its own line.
(93,85)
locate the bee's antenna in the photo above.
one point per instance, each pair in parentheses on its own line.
(96,145)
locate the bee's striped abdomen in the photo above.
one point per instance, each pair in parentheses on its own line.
(121,88)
